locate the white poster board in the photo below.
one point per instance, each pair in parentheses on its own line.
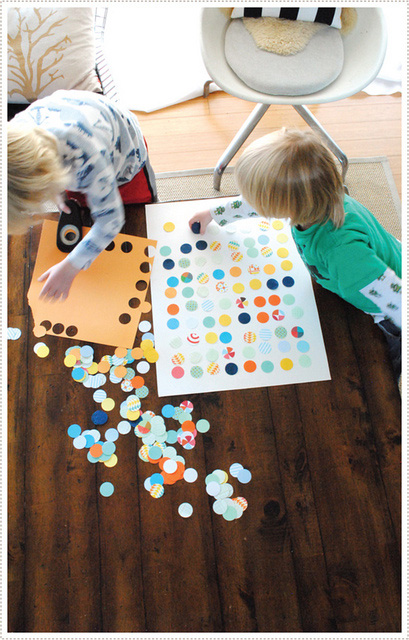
(233,308)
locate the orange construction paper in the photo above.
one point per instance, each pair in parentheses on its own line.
(105,301)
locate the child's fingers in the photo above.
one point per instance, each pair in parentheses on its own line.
(44,276)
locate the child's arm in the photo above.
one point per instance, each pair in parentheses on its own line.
(386,292)
(365,280)
(107,211)
(234,209)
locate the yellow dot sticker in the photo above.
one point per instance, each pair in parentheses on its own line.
(282,252)
(211,337)
(282,237)
(70,360)
(238,287)
(286,364)
(287,265)
(225,320)
(168,226)
(269,269)
(112,461)
(255,283)
(151,355)
(108,404)
(277,225)
(93,369)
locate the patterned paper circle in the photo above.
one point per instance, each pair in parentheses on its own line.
(178,358)
(213,369)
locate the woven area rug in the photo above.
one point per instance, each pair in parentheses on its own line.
(369,180)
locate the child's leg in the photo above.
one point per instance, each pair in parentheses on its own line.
(393,337)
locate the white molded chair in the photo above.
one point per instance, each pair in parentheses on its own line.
(364,52)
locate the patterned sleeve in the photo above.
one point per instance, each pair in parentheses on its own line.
(231,211)
(386,292)
(98,182)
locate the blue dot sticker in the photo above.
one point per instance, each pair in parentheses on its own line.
(288,281)
(186,248)
(231,368)
(263,239)
(172,323)
(209,322)
(267,366)
(303,346)
(157,478)
(272,283)
(218,274)
(168,411)
(74,430)
(168,264)
(201,245)
(165,251)
(106,489)
(225,337)
(172,281)
(99,417)
(244,318)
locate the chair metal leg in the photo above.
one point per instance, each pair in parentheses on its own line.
(237,142)
(314,124)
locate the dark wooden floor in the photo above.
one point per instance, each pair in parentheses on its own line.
(316,551)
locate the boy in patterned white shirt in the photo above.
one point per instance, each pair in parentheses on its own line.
(291,174)
(76,140)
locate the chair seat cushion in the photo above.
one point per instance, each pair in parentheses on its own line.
(306,72)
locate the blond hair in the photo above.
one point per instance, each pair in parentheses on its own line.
(291,174)
(35,174)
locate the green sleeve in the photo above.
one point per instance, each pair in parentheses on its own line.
(352,267)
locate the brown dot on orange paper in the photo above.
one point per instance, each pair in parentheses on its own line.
(71,331)
(124,318)
(134,303)
(141,285)
(126,247)
(58,328)
(173,309)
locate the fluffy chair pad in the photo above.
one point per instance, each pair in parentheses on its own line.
(306,72)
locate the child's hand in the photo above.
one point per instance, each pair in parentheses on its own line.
(59,279)
(203,218)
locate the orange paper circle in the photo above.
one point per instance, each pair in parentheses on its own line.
(263,317)
(173,309)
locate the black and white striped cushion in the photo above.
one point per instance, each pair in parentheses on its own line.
(324,15)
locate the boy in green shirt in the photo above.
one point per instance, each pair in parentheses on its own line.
(291,174)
